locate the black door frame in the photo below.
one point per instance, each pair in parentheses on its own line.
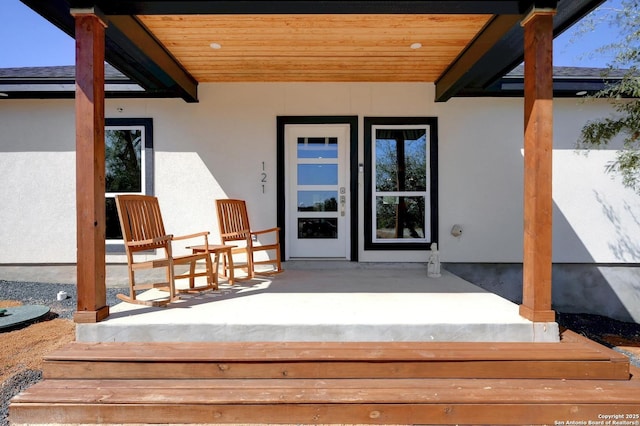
(352,121)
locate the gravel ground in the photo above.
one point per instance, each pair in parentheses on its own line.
(31,293)
(601,329)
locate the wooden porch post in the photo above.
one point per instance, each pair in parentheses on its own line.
(538,147)
(90,167)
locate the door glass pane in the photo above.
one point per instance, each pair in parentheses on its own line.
(317,147)
(401,157)
(317,174)
(400,217)
(317,201)
(309,228)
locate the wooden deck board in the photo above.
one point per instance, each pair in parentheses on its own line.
(335,351)
(574,358)
(433,369)
(335,391)
(300,414)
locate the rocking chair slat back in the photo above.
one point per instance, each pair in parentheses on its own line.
(233,220)
(141,220)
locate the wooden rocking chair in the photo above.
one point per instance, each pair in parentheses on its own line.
(233,222)
(143,230)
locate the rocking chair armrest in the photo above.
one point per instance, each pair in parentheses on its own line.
(234,236)
(265,231)
(190,236)
(149,241)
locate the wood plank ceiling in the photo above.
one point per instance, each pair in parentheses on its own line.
(164,45)
(315,48)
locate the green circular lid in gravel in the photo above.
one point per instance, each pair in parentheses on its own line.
(20,314)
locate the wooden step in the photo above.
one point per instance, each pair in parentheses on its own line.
(323,383)
(312,401)
(575,359)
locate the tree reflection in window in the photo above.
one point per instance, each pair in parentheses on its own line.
(123,160)
(401,172)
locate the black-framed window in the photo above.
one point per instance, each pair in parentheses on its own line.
(128,165)
(401,185)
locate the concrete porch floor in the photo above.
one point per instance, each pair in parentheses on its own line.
(328,301)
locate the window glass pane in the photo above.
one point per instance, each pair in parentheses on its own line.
(123,150)
(317,201)
(309,228)
(317,147)
(400,217)
(415,152)
(386,165)
(113,231)
(400,160)
(317,174)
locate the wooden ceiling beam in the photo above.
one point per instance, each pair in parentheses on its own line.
(141,53)
(456,76)
(180,7)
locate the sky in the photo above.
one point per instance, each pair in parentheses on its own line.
(28,40)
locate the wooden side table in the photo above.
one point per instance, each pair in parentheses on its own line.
(217,250)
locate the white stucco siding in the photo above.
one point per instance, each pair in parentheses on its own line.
(215,149)
(481,179)
(596,219)
(38,207)
(37,171)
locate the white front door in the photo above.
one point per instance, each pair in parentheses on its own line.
(317,190)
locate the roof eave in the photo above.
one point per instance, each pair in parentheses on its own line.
(508,52)
(130,49)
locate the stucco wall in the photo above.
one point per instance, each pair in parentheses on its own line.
(215,149)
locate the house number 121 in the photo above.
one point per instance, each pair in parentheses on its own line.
(263,177)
